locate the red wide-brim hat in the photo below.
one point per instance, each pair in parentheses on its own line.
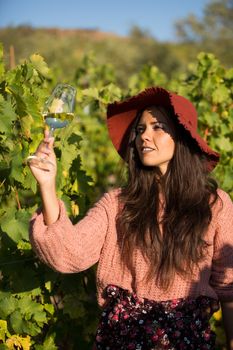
(121,116)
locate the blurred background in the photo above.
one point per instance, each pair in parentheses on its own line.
(124,34)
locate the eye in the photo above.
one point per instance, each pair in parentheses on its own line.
(159,126)
(139,129)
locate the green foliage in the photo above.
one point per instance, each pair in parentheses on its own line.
(39,308)
(209,86)
(30,314)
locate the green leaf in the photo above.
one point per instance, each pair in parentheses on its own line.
(224,144)
(68,155)
(17,166)
(7,305)
(91,92)
(3,347)
(49,343)
(227,181)
(29,180)
(16,224)
(24,246)
(23,217)
(33,309)
(211,118)
(229,74)
(22,326)
(29,317)
(49,308)
(7,115)
(33,108)
(74,307)
(40,65)
(220,94)
(20,271)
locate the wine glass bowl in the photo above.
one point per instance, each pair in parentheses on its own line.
(59,107)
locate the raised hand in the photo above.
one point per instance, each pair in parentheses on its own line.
(44,172)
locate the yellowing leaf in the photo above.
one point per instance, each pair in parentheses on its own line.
(3,330)
(74,209)
(75,186)
(65,173)
(218,315)
(17,342)
(48,286)
(225,114)
(26,123)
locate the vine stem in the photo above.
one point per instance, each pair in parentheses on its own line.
(54,302)
(206,133)
(2,183)
(17,198)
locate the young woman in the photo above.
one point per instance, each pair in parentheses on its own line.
(163,243)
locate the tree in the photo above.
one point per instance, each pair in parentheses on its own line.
(214,30)
(149,51)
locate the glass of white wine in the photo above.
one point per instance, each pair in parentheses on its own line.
(58,111)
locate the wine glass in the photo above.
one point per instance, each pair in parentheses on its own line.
(58,111)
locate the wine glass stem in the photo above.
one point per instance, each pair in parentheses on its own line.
(51,132)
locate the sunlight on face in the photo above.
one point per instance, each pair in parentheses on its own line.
(155,138)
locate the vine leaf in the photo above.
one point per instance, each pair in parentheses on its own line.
(7,115)
(15,224)
(40,65)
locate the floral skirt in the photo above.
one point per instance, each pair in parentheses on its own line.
(129,322)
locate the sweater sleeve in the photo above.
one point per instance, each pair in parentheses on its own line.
(222,264)
(71,248)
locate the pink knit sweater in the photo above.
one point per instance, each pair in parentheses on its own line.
(72,248)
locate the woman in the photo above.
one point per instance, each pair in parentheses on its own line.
(163,243)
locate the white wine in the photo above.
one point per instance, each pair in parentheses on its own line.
(58,120)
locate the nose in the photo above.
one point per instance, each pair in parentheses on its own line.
(146,135)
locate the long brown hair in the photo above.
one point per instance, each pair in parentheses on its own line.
(174,242)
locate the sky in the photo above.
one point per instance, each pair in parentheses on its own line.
(116,16)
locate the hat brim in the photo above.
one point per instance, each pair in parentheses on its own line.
(121,116)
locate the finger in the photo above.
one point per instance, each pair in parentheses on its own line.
(50,143)
(46,132)
(43,147)
(41,163)
(48,140)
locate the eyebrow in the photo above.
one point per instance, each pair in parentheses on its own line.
(152,123)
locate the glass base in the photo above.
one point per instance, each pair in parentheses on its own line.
(38,162)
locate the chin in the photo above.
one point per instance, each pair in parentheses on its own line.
(148,164)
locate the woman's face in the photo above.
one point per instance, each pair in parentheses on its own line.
(155,138)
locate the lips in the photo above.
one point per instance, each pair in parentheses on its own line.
(147,149)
